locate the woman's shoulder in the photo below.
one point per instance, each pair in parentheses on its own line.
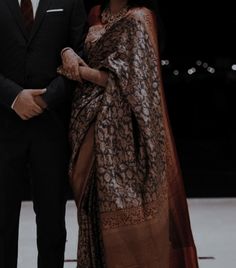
(141,14)
(94,15)
(148,19)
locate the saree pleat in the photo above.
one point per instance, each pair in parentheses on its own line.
(125,174)
(90,245)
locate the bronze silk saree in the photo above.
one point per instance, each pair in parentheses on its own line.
(132,208)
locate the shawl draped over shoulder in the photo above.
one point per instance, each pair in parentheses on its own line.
(125,174)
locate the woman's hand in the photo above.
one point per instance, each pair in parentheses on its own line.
(97,77)
(76,69)
(70,64)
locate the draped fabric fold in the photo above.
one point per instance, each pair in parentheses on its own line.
(132,208)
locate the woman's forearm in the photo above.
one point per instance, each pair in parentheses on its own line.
(94,76)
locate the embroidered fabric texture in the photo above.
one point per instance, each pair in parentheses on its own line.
(134,190)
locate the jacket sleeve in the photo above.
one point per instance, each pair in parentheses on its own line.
(8,91)
(61,88)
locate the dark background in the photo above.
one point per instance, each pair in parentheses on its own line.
(201,35)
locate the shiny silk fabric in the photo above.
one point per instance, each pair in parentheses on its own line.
(132,208)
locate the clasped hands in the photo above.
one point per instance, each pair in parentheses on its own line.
(71,65)
(29,103)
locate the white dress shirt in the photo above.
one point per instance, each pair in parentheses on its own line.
(35,4)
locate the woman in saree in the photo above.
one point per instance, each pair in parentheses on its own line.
(124,171)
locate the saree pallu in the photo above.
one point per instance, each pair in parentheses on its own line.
(128,188)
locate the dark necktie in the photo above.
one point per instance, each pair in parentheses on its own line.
(28,14)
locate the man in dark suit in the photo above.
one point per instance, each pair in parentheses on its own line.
(34,113)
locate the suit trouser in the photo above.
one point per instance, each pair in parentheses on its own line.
(38,147)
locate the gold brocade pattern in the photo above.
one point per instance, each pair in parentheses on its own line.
(133,216)
(125,196)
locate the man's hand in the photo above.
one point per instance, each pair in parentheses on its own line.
(26,106)
(40,102)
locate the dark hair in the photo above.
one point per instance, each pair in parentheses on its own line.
(151,4)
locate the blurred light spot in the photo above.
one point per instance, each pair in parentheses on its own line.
(199,63)
(176,72)
(211,70)
(192,71)
(234,67)
(165,62)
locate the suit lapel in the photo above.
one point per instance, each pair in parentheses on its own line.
(16,12)
(41,12)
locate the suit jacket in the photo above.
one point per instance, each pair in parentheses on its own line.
(31,61)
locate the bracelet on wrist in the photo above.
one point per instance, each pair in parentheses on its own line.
(65,49)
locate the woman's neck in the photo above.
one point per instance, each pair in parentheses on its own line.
(117,5)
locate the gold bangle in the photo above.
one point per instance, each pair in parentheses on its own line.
(65,49)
